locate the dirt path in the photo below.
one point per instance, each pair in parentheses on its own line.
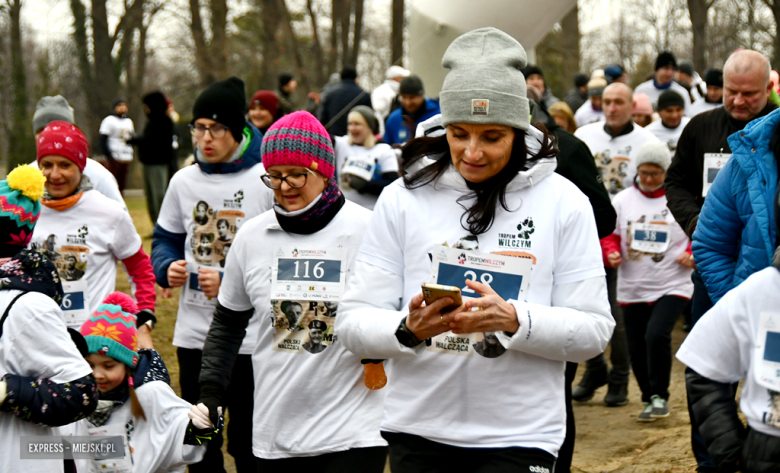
(609,439)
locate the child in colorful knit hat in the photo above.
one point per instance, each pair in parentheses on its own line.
(136,399)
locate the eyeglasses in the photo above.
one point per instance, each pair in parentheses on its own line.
(654,175)
(216,132)
(295,180)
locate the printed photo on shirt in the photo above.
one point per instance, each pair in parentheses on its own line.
(70,260)
(637,255)
(613,170)
(773,417)
(488,345)
(213,233)
(303,325)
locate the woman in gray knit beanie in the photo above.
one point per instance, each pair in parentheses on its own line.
(478,385)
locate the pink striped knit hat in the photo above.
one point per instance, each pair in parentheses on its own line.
(111,330)
(299,139)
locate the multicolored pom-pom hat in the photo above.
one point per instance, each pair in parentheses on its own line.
(20,207)
(111,330)
(299,139)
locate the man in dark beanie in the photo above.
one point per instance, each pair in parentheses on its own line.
(668,129)
(155,151)
(415,108)
(115,130)
(713,99)
(535,77)
(339,100)
(287,86)
(221,186)
(578,94)
(665,67)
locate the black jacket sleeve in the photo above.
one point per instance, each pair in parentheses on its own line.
(224,339)
(682,178)
(42,401)
(576,164)
(715,410)
(104,146)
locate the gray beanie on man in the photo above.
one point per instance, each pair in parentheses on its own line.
(485,83)
(50,109)
(654,152)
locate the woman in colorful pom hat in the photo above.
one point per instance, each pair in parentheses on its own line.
(86,233)
(135,394)
(43,384)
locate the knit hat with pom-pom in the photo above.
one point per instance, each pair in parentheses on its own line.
(299,139)
(20,207)
(111,330)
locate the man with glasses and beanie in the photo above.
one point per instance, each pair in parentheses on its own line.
(226,177)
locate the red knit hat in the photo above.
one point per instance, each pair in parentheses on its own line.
(66,140)
(299,139)
(267,99)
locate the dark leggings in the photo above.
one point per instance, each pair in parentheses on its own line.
(649,333)
(239,403)
(413,454)
(357,460)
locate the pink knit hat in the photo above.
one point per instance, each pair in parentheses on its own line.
(642,105)
(299,139)
(111,330)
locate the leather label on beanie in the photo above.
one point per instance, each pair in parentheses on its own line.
(480,107)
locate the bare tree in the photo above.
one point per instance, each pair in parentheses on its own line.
(397,36)
(210,53)
(698,10)
(20,141)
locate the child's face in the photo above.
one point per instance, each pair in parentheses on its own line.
(108,372)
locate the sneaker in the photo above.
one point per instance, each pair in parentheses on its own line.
(660,407)
(647,413)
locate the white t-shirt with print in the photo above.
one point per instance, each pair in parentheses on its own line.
(35,343)
(382,156)
(701,106)
(646,276)
(648,88)
(615,157)
(722,346)
(670,136)
(585,115)
(306,402)
(464,398)
(86,241)
(118,130)
(210,209)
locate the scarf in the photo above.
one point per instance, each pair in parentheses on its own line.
(31,270)
(67,202)
(245,156)
(661,86)
(315,216)
(107,403)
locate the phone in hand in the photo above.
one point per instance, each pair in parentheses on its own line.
(434,292)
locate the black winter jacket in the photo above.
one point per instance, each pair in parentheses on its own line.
(155,146)
(339,98)
(705,133)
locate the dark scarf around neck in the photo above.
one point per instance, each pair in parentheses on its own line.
(315,218)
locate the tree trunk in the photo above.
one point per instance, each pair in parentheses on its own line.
(201,49)
(333,54)
(20,140)
(218,47)
(358,32)
(345,22)
(319,62)
(397,39)
(102,43)
(287,28)
(271,50)
(697,9)
(775,6)
(94,114)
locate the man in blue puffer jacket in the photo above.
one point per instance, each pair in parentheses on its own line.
(736,235)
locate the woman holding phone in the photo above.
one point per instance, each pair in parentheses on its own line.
(312,411)
(479,388)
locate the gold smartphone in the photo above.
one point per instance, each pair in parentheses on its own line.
(434,292)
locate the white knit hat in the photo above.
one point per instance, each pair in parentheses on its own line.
(654,152)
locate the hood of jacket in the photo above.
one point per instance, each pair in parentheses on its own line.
(249,154)
(536,172)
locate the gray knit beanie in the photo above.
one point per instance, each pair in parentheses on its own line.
(52,109)
(485,83)
(654,152)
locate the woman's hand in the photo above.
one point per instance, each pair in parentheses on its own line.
(614,259)
(177,273)
(686,259)
(427,321)
(493,313)
(209,280)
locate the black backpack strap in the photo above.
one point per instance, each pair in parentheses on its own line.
(8,309)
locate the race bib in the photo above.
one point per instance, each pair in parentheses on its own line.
(713,163)
(193,294)
(113,439)
(767,351)
(71,262)
(360,166)
(507,275)
(306,287)
(649,237)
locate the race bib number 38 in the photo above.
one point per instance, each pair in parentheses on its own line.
(649,237)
